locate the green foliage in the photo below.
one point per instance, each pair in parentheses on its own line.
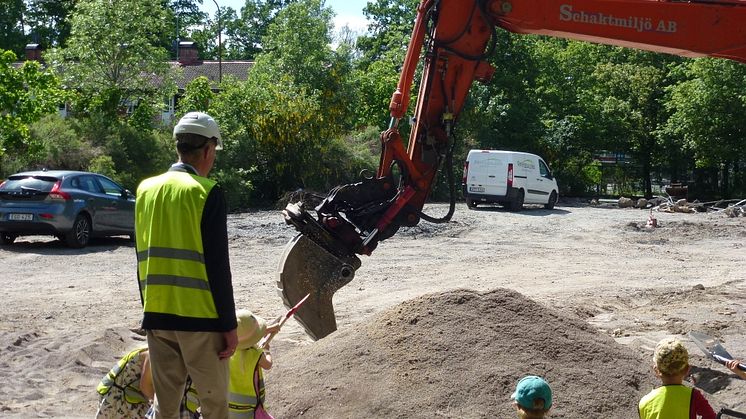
(389,29)
(197,96)
(12,37)
(310,114)
(373,88)
(277,140)
(237,185)
(505,114)
(62,147)
(26,94)
(187,16)
(104,165)
(112,56)
(49,21)
(709,110)
(137,154)
(271,125)
(246,33)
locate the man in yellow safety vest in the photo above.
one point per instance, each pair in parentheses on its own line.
(184,273)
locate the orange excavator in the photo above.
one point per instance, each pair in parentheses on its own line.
(454,38)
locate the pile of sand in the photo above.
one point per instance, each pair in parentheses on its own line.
(458,354)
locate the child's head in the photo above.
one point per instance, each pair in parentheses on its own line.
(532,397)
(671,358)
(251,328)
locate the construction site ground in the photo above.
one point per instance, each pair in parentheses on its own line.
(441,321)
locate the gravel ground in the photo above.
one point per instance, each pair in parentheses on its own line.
(610,284)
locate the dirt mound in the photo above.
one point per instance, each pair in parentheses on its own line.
(458,354)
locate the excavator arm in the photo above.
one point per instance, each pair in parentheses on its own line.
(454,38)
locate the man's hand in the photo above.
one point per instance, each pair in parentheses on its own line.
(231,341)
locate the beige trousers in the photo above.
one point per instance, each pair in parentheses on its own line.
(173,355)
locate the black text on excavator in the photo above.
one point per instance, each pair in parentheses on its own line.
(454,38)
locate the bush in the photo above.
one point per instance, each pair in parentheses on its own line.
(62,147)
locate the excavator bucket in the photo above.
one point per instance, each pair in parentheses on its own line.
(307,268)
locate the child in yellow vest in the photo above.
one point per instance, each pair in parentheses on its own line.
(126,390)
(246,387)
(673,399)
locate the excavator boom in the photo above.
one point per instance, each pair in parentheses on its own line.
(454,38)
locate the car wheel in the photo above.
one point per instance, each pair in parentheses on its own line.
(552,201)
(80,234)
(470,203)
(7,239)
(517,204)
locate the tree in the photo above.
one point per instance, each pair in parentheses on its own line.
(112,57)
(26,94)
(197,96)
(246,33)
(390,27)
(297,45)
(49,21)
(12,36)
(186,15)
(628,101)
(709,114)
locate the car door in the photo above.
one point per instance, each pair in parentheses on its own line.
(527,168)
(120,209)
(95,202)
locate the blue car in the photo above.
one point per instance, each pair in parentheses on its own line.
(73,206)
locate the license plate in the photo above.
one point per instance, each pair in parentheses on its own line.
(21,217)
(476,189)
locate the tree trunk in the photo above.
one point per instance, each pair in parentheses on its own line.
(725,176)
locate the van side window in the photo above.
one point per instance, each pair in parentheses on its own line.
(543,169)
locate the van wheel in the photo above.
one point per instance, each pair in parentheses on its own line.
(517,205)
(552,201)
(470,203)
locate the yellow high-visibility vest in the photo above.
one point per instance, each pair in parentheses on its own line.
(131,390)
(666,402)
(242,395)
(170,257)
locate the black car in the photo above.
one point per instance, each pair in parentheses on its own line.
(73,206)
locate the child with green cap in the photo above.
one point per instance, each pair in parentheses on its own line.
(673,399)
(532,397)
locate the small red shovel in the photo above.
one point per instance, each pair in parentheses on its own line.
(266,339)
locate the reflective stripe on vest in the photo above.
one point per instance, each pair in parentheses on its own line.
(242,395)
(170,257)
(132,393)
(669,401)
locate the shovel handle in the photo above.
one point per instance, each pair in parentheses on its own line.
(723,360)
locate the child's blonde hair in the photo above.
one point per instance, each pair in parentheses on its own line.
(670,357)
(530,414)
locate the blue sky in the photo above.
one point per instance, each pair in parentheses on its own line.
(348,12)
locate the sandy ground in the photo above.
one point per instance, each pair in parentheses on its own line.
(440,321)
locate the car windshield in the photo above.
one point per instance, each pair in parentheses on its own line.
(28,184)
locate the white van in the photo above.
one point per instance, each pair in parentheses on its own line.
(508,178)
